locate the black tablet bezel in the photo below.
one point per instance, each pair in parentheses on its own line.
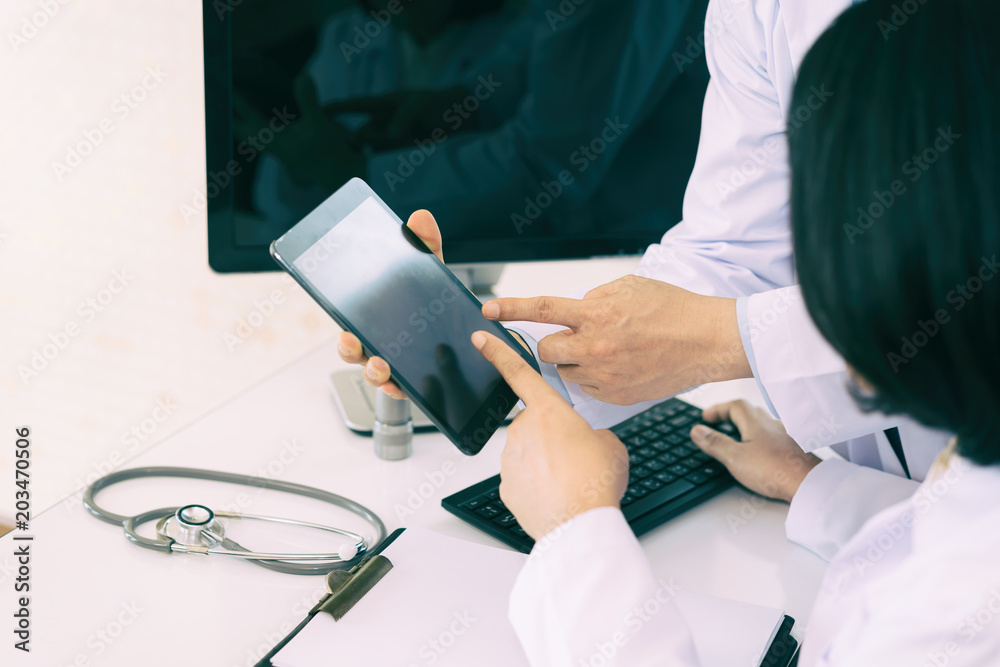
(304,235)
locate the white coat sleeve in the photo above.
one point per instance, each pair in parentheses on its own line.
(581,595)
(836,499)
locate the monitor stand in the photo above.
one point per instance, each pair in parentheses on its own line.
(355,398)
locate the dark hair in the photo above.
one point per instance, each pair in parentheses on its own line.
(895,206)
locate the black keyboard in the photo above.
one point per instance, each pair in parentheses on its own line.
(668,475)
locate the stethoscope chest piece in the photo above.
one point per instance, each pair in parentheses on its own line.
(192,525)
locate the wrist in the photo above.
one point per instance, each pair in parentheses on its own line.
(725,358)
(805,465)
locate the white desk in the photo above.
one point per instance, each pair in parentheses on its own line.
(99,600)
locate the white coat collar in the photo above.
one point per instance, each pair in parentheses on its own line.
(805,21)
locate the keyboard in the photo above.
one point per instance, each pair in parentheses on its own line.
(668,475)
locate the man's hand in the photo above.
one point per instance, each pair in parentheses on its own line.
(767,461)
(377,371)
(635,339)
(554,465)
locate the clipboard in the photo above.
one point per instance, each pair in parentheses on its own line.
(346,589)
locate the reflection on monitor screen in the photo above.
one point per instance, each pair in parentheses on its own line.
(531,129)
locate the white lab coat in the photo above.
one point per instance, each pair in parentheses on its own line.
(918,585)
(735,241)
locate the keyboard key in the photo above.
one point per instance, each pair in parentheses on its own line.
(655,465)
(642,472)
(679,469)
(517,530)
(638,490)
(695,478)
(675,439)
(493,495)
(680,420)
(652,483)
(667,458)
(488,511)
(665,477)
(657,498)
(628,498)
(478,501)
(633,441)
(635,460)
(684,450)
(696,460)
(712,469)
(647,452)
(660,445)
(505,520)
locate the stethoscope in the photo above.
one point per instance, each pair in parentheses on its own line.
(197,529)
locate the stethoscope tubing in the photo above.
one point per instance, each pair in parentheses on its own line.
(228,547)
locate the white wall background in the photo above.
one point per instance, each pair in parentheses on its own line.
(63,237)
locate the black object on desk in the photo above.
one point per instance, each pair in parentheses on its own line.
(668,475)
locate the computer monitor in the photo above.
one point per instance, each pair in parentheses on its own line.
(532,130)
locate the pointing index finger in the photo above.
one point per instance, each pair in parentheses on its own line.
(521,377)
(546,309)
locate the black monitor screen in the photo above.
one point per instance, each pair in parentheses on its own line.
(531,129)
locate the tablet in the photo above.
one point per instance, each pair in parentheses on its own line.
(378,280)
